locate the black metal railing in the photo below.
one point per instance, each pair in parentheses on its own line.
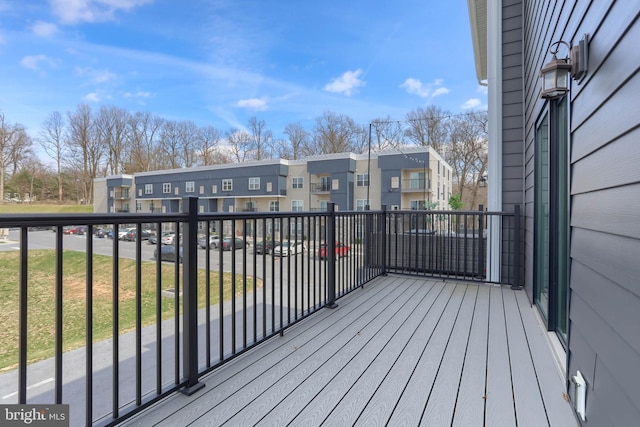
(321,187)
(149,328)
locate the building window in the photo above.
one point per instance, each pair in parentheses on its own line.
(166,188)
(148,189)
(362,180)
(323,205)
(254,183)
(269,187)
(227,185)
(395,182)
(274,206)
(297,205)
(335,184)
(416,205)
(139,192)
(138,206)
(214,189)
(202,189)
(176,191)
(190,187)
(297,182)
(417,180)
(361,204)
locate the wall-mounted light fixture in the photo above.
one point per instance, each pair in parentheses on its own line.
(482,181)
(555,74)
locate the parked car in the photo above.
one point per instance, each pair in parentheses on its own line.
(144,235)
(288,248)
(100,232)
(214,241)
(341,250)
(154,238)
(72,229)
(168,253)
(232,243)
(168,239)
(123,232)
(266,247)
(41,227)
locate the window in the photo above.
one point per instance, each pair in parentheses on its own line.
(166,188)
(274,206)
(269,187)
(417,205)
(395,182)
(361,204)
(148,189)
(417,180)
(297,182)
(176,191)
(227,185)
(323,205)
(140,192)
(214,189)
(190,187)
(138,206)
(202,189)
(254,183)
(335,184)
(362,180)
(297,205)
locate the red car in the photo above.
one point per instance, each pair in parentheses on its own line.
(341,250)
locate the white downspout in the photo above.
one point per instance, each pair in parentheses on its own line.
(494,79)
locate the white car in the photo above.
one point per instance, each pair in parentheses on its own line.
(168,239)
(288,248)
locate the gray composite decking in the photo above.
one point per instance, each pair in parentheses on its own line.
(401,351)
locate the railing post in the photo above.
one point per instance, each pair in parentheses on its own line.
(190,296)
(331,256)
(481,260)
(517,253)
(383,240)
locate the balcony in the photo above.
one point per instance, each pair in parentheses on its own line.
(121,195)
(416,185)
(322,187)
(384,333)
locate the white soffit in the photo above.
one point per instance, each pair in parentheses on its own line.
(478,18)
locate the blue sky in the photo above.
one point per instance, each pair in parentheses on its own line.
(221,62)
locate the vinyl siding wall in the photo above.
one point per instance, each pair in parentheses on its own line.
(604,341)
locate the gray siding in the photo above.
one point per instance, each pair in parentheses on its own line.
(604,343)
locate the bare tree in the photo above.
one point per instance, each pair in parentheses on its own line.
(335,133)
(144,152)
(298,140)
(207,141)
(187,132)
(428,127)
(262,139)
(386,133)
(170,144)
(113,132)
(467,154)
(14,142)
(85,148)
(241,145)
(52,140)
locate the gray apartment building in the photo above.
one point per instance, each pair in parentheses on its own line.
(565,148)
(405,178)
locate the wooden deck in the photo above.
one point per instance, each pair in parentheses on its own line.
(401,351)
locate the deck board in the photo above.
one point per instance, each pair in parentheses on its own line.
(400,351)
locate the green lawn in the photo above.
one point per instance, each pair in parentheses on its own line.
(41,300)
(13,208)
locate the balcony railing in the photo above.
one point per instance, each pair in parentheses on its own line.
(121,195)
(143,328)
(321,187)
(419,185)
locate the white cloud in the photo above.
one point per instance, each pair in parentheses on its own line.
(139,94)
(35,62)
(258,104)
(424,90)
(75,11)
(471,103)
(96,76)
(346,83)
(44,29)
(484,90)
(92,97)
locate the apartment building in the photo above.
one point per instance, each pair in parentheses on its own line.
(406,178)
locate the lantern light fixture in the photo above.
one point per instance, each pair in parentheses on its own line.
(555,73)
